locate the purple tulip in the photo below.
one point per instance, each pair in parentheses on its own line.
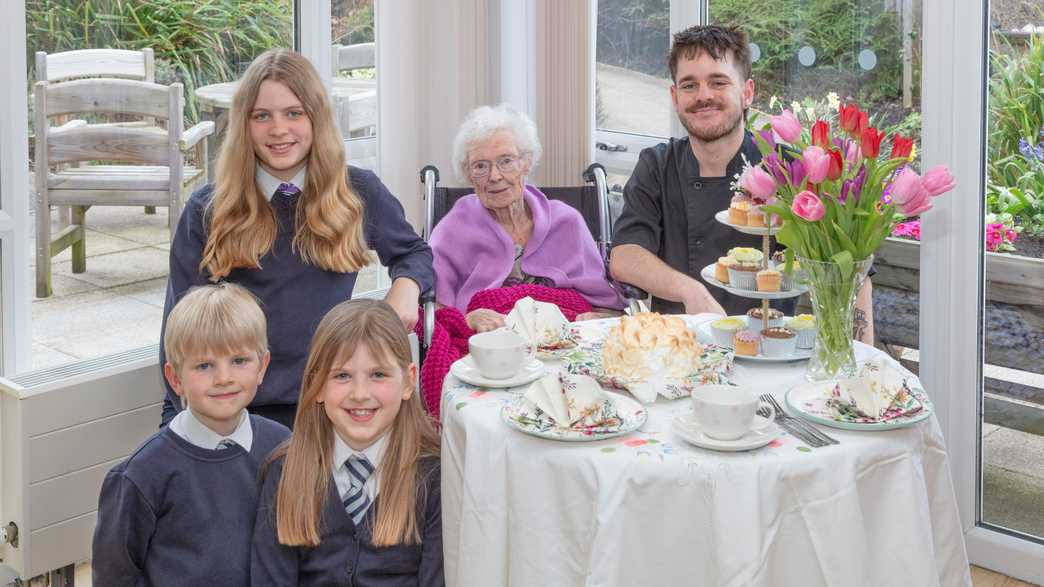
(771,162)
(845,187)
(796,171)
(769,137)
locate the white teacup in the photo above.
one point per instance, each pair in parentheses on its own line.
(727,413)
(500,353)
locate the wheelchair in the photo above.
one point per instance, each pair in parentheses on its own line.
(591,200)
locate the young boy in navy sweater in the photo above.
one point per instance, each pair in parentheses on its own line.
(181,509)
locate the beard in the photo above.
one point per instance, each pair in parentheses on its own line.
(708,134)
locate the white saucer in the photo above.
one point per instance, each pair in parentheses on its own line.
(688,428)
(465,370)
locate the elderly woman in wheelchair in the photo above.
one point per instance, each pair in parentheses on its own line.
(508,232)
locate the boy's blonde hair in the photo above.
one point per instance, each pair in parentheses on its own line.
(223,318)
(241,223)
(303,487)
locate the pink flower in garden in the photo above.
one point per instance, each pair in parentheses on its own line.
(817,163)
(937,181)
(1010,235)
(994,236)
(808,206)
(786,126)
(853,154)
(758,182)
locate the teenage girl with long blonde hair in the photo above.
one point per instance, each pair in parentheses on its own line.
(287,220)
(353,497)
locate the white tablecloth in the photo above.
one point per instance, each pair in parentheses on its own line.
(650,509)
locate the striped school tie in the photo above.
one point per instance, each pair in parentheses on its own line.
(226,443)
(355,500)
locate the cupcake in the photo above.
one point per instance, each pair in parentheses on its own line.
(768,280)
(757,217)
(804,326)
(724,329)
(745,342)
(742,275)
(746,255)
(755,323)
(791,279)
(778,342)
(738,213)
(721,269)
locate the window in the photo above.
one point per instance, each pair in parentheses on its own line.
(109,298)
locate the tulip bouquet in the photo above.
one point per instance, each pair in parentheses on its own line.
(838,197)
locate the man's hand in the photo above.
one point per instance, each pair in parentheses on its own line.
(484,320)
(698,300)
(403,296)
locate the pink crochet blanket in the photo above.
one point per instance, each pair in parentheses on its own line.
(449,340)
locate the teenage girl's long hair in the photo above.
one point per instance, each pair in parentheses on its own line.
(304,486)
(241,222)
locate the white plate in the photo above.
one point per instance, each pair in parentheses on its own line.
(708,275)
(798,399)
(688,428)
(631,412)
(465,370)
(723,217)
(706,335)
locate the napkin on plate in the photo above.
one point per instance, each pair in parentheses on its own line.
(572,401)
(880,393)
(540,323)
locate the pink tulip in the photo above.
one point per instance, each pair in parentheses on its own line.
(937,181)
(905,187)
(921,202)
(758,182)
(817,163)
(808,206)
(853,154)
(786,126)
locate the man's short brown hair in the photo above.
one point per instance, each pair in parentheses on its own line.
(714,40)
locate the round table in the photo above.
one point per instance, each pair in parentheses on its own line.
(649,509)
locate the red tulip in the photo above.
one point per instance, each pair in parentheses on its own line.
(848,114)
(864,123)
(901,147)
(836,164)
(821,134)
(870,142)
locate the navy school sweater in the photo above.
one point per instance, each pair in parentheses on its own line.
(345,556)
(177,514)
(295,296)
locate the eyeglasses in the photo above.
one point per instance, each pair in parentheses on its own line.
(506,164)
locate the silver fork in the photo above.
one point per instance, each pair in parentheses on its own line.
(800,423)
(798,433)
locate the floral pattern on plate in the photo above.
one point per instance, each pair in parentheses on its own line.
(820,402)
(623,416)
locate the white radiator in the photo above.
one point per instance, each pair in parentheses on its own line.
(61,430)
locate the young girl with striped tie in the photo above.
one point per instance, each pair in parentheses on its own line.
(353,497)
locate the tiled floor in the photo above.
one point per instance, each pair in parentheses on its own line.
(117,304)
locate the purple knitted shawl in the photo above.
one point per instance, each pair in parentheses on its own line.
(472,252)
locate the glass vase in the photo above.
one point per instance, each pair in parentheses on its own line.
(833,294)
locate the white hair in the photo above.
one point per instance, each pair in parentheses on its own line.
(484,122)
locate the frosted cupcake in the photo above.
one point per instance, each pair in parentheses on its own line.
(748,255)
(743,275)
(724,329)
(721,269)
(794,277)
(778,342)
(746,342)
(757,217)
(755,323)
(804,326)
(738,209)
(768,280)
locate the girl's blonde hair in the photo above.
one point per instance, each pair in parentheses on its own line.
(241,222)
(223,318)
(302,492)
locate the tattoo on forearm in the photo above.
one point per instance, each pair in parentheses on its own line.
(859,324)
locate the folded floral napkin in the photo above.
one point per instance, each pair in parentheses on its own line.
(878,394)
(571,401)
(540,323)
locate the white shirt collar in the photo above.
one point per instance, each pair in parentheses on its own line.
(373,453)
(268,183)
(188,427)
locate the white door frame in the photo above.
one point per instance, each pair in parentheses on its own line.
(954,119)
(15,197)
